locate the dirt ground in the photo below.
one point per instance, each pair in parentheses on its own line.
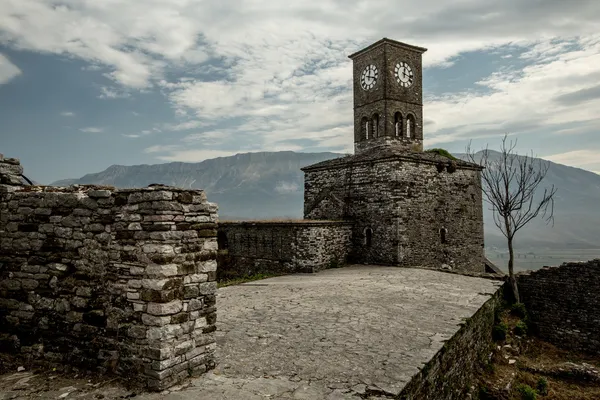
(526,360)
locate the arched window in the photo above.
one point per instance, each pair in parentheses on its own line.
(410,126)
(368,237)
(443,233)
(375,124)
(364,130)
(398,124)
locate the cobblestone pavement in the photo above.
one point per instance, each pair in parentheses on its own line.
(359,331)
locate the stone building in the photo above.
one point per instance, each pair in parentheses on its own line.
(404,206)
(409,207)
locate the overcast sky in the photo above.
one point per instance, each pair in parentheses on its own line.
(85,84)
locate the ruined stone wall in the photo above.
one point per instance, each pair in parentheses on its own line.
(10,172)
(406,203)
(451,372)
(563,304)
(113,280)
(282,247)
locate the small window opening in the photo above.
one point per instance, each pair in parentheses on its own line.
(222,240)
(410,126)
(398,124)
(368,237)
(375,121)
(443,233)
(364,123)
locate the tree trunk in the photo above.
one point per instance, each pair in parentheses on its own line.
(511,271)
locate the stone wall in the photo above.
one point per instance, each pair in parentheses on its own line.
(451,372)
(10,172)
(113,280)
(564,305)
(282,247)
(420,210)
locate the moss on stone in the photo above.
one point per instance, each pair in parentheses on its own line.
(441,152)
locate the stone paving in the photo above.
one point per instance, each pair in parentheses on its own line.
(348,333)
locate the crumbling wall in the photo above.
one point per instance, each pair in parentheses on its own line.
(114,280)
(563,304)
(281,246)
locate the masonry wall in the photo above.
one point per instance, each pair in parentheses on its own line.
(112,280)
(451,372)
(406,203)
(564,305)
(282,247)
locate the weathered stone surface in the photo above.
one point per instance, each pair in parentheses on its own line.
(563,304)
(172,307)
(82,268)
(264,247)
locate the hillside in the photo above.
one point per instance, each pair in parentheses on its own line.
(270,184)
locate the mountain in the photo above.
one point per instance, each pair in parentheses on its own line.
(249,185)
(270,184)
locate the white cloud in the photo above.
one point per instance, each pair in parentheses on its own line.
(273,86)
(112,93)
(576,157)
(92,129)
(67,114)
(287,187)
(8,70)
(524,100)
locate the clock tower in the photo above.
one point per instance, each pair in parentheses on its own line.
(388,96)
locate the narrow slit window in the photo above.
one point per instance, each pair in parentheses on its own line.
(443,233)
(368,237)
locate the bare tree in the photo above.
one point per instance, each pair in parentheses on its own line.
(509,184)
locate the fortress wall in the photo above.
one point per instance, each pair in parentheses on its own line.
(255,247)
(406,203)
(452,370)
(119,281)
(564,305)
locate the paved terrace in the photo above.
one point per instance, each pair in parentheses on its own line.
(338,334)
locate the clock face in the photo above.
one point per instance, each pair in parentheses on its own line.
(404,75)
(368,78)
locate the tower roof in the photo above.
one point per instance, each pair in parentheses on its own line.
(390,42)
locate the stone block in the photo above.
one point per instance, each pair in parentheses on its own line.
(172,307)
(164,270)
(153,320)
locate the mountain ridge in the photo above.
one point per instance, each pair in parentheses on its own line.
(264,185)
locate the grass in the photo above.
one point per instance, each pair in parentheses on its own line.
(441,152)
(532,375)
(248,278)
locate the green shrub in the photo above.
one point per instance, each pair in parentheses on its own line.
(521,328)
(519,310)
(527,392)
(499,331)
(441,152)
(542,386)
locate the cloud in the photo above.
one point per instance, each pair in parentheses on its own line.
(287,187)
(576,157)
(145,132)
(67,114)
(112,93)
(579,96)
(8,70)
(92,129)
(523,100)
(229,63)
(179,153)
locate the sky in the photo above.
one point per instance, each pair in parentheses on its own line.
(85,84)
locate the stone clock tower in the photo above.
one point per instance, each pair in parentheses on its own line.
(388,96)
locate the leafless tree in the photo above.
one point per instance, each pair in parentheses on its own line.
(509,184)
